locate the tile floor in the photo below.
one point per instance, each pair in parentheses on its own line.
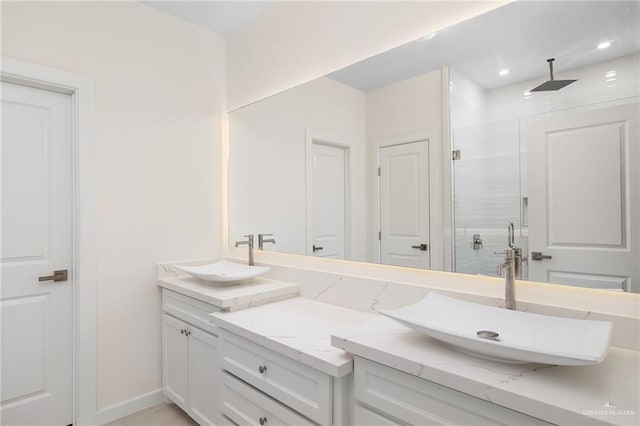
(163,414)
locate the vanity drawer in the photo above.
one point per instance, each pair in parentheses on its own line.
(417,401)
(365,416)
(246,406)
(306,390)
(190,310)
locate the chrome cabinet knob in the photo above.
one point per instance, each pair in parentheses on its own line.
(262,420)
(262,369)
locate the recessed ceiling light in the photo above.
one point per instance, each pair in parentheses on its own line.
(503,72)
(429,36)
(604,45)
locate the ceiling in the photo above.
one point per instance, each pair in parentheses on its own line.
(222,17)
(519,36)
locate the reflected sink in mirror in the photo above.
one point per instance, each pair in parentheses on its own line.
(223,272)
(506,335)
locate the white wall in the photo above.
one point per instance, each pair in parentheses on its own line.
(467,100)
(408,106)
(160,86)
(267,162)
(295,42)
(403,111)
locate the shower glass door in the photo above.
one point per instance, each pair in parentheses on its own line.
(487,195)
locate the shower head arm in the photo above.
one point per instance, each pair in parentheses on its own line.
(550,61)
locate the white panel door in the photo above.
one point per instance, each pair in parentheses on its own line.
(328,204)
(584,197)
(36,227)
(404,205)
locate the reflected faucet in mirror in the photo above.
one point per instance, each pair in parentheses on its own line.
(249,243)
(262,240)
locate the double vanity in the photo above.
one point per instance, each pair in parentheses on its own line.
(279,349)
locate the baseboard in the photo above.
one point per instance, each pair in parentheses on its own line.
(130,406)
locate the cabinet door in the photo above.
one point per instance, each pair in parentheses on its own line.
(174,360)
(204,377)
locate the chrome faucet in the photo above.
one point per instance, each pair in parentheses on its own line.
(512,268)
(509,269)
(262,240)
(248,242)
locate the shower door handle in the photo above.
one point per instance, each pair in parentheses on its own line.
(536,255)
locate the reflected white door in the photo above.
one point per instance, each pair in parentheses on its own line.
(328,202)
(404,205)
(36,239)
(584,197)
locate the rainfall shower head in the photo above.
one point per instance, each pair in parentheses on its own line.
(552,85)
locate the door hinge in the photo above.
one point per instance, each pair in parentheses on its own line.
(455,154)
(379,235)
(378,171)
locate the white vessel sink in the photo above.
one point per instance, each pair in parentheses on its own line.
(522,337)
(224,272)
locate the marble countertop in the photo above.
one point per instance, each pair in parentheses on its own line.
(606,393)
(297,328)
(245,294)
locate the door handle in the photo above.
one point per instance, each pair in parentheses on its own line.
(316,248)
(57,276)
(422,247)
(536,255)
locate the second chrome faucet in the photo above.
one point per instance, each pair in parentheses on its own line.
(250,243)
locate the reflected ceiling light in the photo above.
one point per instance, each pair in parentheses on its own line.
(504,71)
(604,45)
(429,36)
(610,74)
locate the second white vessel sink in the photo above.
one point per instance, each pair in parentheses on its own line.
(506,335)
(224,272)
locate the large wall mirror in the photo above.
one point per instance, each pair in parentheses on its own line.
(423,155)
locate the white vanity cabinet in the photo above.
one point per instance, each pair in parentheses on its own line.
(262,387)
(191,374)
(386,396)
